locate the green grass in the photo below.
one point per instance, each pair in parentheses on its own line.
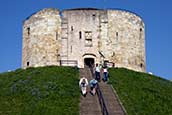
(141,93)
(44,90)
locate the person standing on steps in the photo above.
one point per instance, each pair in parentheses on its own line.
(105,74)
(97,72)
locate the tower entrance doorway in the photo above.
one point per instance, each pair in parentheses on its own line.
(89,61)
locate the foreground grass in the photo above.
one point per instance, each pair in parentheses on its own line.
(142,94)
(44,90)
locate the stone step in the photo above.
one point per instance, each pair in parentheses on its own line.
(89,105)
(111,101)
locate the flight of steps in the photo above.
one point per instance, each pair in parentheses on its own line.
(111,101)
(89,105)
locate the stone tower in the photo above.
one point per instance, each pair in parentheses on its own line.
(41,38)
(84,36)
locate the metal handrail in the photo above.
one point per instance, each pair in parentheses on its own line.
(101,101)
(100,96)
(68,62)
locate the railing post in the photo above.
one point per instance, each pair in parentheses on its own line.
(60,62)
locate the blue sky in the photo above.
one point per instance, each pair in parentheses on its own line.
(156,14)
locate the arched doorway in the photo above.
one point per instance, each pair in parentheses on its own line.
(89,62)
(89,59)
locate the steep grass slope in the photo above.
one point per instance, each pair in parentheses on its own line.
(44,90)
(141,93)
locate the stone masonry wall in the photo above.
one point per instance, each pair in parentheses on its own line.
(41,38)
(82,24)
(126,35)
(84,33)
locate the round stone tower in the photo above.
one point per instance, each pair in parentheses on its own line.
(41,38)
(126,35)
(85,36)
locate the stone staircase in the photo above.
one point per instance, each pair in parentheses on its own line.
(90,105)
(111,100)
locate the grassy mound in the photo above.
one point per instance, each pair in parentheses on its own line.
(44,90)
(141,93)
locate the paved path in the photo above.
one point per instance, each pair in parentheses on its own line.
(89,105)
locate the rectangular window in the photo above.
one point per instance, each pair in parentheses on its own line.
(71,28)
(140,36)
(27,64)
(56,35)
(88,39)
(80,35)
(88,43)
(117,34)
(94,16)
(28,31)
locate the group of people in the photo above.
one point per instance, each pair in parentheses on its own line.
(83,83)
(104,70)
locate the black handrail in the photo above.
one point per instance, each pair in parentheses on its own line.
(100,96)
